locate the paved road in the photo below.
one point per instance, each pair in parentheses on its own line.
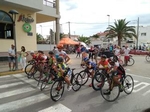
(19,94)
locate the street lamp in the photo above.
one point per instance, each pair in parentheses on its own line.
(14,13)
(108,19)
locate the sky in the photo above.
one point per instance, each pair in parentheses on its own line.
(88,17)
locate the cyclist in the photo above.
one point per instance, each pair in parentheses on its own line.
(117,72)
(62,71)
(63,54)
(105,66)
(90,65)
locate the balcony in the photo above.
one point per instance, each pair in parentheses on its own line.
(51,3)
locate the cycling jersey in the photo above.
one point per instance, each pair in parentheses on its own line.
(92,64)
(51,60)
(105,63)
(63,66)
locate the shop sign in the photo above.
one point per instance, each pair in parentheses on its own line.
(27,19)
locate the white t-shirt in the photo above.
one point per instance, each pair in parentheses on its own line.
(62,53)
(11,51)
(126,52)
(117,52)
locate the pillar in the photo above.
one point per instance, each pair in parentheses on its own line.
(57,22)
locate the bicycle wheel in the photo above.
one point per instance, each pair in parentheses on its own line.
(76,82)
(131,61)
(84,76)
(120,62)
(38,76)
(57,90)
(29,70)
(113,95)
(128,84)
(147,58)
(44,83)
(97,81)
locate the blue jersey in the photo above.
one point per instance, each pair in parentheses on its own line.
(93,65)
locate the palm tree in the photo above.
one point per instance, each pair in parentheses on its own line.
(86,40)
(121,30)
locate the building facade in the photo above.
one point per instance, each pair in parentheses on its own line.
(30,12)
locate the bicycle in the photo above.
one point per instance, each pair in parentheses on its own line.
(148,57)
(131,61)
(57,89)
(48,79)
(127,83)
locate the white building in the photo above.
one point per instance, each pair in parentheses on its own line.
(144,35)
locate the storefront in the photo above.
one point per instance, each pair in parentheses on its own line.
(25,26)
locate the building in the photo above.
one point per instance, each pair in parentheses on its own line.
(30,12)
(144,35)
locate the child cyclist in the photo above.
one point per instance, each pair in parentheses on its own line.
(90,65)
(62,71)
(117,72)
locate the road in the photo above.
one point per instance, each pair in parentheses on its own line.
(19,94)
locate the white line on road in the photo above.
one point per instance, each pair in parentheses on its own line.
(142,84)
(7,107)
(147,92)
(15,92)
(56,108)
(138,76)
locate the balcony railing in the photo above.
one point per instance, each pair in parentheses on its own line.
(50,3)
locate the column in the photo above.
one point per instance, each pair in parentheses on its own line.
(57,23)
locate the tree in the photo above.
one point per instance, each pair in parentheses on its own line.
(39,37)
(121,30)
(95,36)
(86,40)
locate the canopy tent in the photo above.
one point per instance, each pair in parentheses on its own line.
(68,41)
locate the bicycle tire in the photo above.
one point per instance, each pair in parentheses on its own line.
(97,80)
(38,77)
(58,90)
(84,76)
(108,97)
(147,58)
(76,82)
(132,61)
(126,84)
(27,71)
(44,83)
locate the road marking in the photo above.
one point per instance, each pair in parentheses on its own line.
(7,107)
(6,76)
(144,85)
(138,76)
(147,92)
(15,92)
(135,81)
(10,85)
(56,108)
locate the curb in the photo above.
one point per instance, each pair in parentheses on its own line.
(11,72)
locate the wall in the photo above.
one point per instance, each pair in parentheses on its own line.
(45,47)
(22,39)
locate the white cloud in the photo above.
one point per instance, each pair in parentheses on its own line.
(96,11)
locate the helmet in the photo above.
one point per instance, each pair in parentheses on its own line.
(31,52)
(86,59)
(60,59)
(60,46)
(50,52)
(104,56)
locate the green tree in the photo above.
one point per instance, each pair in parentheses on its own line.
(121,30)
(95,36)
(39,37)
(86,40)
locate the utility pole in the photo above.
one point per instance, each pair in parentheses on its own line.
(69,29)
(108,20)
(137,34)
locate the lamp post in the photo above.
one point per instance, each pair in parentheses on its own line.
(41,29)
(108,19)
(14,13)
(137,42)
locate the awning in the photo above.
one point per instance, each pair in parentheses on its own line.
(68,41)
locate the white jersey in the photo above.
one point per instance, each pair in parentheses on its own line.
(62,53)
(126,52)
(117,52)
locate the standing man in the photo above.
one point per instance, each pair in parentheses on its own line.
(126,55)
(11,57)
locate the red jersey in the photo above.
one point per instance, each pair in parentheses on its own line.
(104,63)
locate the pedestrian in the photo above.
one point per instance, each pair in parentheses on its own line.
(55,50)
(11,57)
(22,57)
(78,52)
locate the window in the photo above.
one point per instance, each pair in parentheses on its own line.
(6,26)
(143,34)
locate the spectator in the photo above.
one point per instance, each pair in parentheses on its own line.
(55,50)
(91,53)
(23,54)
(11,57)
(78,52)
(126,55)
